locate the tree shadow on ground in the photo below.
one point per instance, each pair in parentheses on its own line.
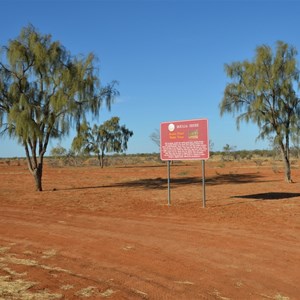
(161,183)
(275,196)
(142,166)
(269,196)
(235,179)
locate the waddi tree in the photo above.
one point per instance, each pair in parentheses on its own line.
(43,91)
(262,91)
(99,139)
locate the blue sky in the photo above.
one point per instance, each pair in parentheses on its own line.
(168,56)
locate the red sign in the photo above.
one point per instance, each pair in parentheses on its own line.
(184,140)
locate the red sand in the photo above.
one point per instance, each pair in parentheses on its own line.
(108,233)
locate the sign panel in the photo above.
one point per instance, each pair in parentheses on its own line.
(184,140)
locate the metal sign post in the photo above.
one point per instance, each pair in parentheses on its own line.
(203,184)
(169,188)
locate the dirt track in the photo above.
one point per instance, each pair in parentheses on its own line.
(96,234)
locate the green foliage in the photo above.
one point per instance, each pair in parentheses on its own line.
(58,151)
(108,137)
(262,92)
(44,90)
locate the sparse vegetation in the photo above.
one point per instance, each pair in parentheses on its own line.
(263,92)
(155,137)
(43,91)
(107,137)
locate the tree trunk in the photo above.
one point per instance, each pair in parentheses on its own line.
(287,169)
(102,160)
(37,174)
(287,164)
(99,159)
(35,168)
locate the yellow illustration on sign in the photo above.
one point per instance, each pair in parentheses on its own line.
(193,134)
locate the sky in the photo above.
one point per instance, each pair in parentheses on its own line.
(167,55)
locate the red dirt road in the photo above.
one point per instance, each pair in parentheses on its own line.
(109,233)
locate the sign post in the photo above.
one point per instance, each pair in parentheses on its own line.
(203,185)
(169,187)
(185,140)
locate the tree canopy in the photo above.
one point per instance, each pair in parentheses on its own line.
(44,91)
(263,91)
